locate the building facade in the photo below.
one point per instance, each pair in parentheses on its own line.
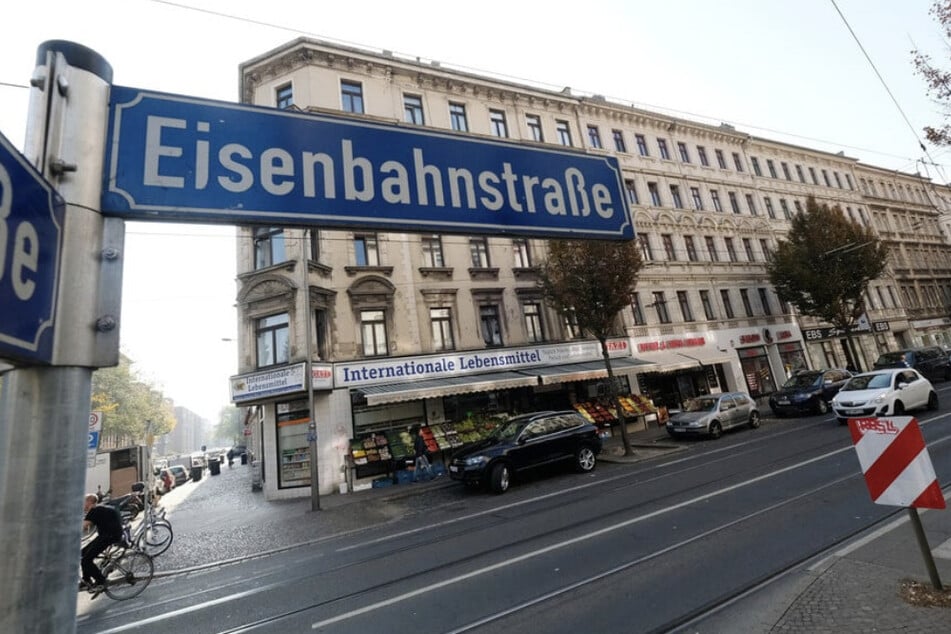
(448,331)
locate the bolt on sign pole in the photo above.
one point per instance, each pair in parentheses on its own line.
(45,403)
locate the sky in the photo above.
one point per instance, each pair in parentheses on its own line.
(789,71)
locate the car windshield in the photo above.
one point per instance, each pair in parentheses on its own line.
(509,430)
(701,404)
(868,382)
(807,379)
(892,357)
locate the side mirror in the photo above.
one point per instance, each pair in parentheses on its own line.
(902,385)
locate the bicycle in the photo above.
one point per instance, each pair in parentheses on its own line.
(153,534)
(128,571)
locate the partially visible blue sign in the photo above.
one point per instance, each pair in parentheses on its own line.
(93,440)
(31,223)
(179,158)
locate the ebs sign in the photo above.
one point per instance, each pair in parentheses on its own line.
(178,158)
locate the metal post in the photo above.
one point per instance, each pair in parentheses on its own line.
(925,549)
(309,379)
(44,411)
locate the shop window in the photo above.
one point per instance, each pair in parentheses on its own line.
(490,325)
(268,246)
(373,330)
(533,322)
(366,250)
(441,320)
(273,342)
(292,446)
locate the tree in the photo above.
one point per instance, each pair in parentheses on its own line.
(824,265)
(128,404)
(937,79)
(593,281)
(230,425)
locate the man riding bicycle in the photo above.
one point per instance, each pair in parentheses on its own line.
(108,525)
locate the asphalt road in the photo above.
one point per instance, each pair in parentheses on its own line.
(644,547)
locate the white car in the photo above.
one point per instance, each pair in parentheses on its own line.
(889,392)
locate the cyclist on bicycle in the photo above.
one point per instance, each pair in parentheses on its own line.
(108,525)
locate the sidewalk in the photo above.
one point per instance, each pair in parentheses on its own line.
(856,589)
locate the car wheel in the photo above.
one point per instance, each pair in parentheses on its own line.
(715,429)
(933,401)
(585,459)
(754,420)
(499,479)
(898,408)
(821,406)
(843,421)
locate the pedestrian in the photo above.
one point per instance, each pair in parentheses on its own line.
(108,526)
(231,458)
(422,457)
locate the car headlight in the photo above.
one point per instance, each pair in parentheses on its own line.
(473,461)
(880,398)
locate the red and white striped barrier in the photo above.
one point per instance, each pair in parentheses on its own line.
(895,462)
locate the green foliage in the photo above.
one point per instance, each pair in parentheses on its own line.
(825,264)
(128,403)
(937,78)
(594,279)
(230,424)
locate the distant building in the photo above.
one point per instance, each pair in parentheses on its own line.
(190,433)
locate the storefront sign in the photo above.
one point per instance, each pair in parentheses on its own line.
(818,334)
(286,380)
(436,366)
(671,344)
(322,376)
(924,324)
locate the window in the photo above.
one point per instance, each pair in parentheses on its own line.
(684,154)
(772,168)
(457,117)
(268,246)
(785,207)
(572,329)
(702,153)
(523,259)
(812,175)
(373,331)
(641,145)
(684,305)
(563,132)
(769,206)
(730,249)
(646,251)
(798,206)
(594,137)
(631,192)
(734,204)
(441,320)
(497,123)
(413,109)
(745,298)
(825,177)
(662,148)
(848,180)
(432,251)
(711,248)
(653,190)
(314,244)
(668,242)
(751,204)
(365,250)
(675,196)
(737,162)
(764,247)
(533,322)
(697,199)
(660,305)
(764,301)
(707,305)
(755,163)
(351,96)
(320,323)
(534,123)
(838,181)
(715,196)
(748,248)
(273,342)
(490,325)
(786,173)
(691,248)
(800,174)
(284,96)
(618,141)
(727,304)
(721,161)
(479,250)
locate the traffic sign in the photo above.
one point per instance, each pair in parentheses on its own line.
(895,462)
(183,159)
(31,234)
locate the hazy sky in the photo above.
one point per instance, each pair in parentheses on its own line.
(790,71)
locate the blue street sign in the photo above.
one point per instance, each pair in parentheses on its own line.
(31,223)
(177,158)
(93,440)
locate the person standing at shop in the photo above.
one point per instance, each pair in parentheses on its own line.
(422,457)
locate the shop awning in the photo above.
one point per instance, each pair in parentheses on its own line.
(585,371)
(668,360)
(432,388)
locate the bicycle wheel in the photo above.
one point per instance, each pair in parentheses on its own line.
(128,574)
(156,539)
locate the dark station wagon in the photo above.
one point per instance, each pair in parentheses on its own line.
(525,442)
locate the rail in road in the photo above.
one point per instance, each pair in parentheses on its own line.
(635,548)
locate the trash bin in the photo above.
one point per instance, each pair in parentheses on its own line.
(214,466)
(244,458)
(196,473)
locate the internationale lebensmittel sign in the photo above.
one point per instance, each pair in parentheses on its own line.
(183,159)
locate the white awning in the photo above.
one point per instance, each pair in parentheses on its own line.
(432,388)
(584,371)
(668,360)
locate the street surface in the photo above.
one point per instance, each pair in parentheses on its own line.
(640,547)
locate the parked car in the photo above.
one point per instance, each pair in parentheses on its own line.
(526,442)
(808,392)
(930,361)
(889,392)
(179,473)
(711,414)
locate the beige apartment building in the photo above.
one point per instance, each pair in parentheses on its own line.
(448,330)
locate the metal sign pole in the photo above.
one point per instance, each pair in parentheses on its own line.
(44,410)
(309,379)
(925,548)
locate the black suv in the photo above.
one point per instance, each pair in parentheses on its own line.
(808,392)
(930,361)
(525,442)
